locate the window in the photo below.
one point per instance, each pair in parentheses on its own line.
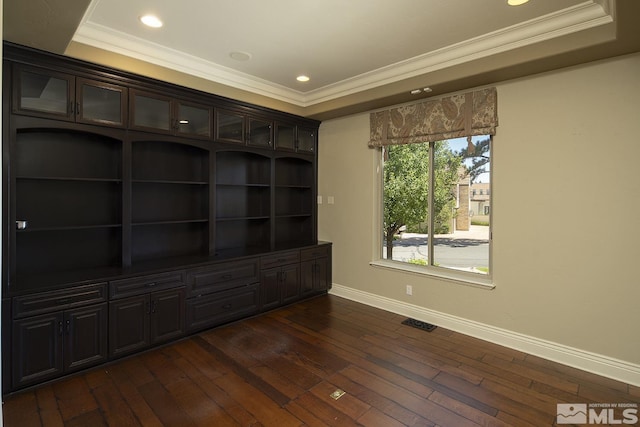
(429,215)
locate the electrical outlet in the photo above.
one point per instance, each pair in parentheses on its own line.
(409,290)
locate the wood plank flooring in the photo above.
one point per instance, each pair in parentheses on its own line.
(279,369)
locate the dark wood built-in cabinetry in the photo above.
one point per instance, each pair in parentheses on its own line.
(58,332)
(137,212)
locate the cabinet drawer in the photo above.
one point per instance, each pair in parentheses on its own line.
(45,302)
(143,284)
(277,260)
(312,253)
(223,276)
(211,310)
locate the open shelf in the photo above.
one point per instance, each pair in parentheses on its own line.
(242,233)
(68,203)
(67,155)
(159,202)
(164,161)
(242,168)
(169,200)
(243,201)
(68,190)
(169,239)
(53,251)
(294,231)
(294,202)
(294,172)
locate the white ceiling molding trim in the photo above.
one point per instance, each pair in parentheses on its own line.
(101,37)
(584,16)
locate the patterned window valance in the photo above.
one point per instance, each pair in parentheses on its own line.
(455,116)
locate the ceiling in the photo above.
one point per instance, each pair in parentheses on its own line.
(359,54)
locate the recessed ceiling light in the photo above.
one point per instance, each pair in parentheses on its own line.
(427,90)
(151,21)
(240,56)
(303,78)
(516,2)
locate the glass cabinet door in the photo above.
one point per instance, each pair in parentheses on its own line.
(306,140)
(42,92)
(101,102)
(151,111)
(229,127)
(285,137)
(193,120)
(259,133)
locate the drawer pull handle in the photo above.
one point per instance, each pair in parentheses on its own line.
(151,285)
(226,306)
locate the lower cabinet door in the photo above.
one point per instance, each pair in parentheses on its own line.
(307,273)
(314,276)
(37,349)
(166,315)
(290,276)
(85,337)
(270,289)
(128,325)
(321,274)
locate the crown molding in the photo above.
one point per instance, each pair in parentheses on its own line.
(584,16)
(105,38)
(581,17)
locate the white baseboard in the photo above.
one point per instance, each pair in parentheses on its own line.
(580,359)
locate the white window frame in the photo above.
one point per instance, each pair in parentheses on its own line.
(447,274)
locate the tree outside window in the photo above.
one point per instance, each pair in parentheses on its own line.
(432,214)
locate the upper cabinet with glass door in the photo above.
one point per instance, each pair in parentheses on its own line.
(238,128)
(306,140)
(159,113)
(50,94)
(260,132)
(295,138)
(285,137)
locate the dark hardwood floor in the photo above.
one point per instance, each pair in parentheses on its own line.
(280,369)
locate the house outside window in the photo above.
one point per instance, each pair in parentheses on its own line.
(436,204)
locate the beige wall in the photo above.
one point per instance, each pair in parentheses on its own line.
(565,268)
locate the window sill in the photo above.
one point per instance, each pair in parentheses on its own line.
(459,278)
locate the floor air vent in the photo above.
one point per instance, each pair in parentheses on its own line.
(419,324)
